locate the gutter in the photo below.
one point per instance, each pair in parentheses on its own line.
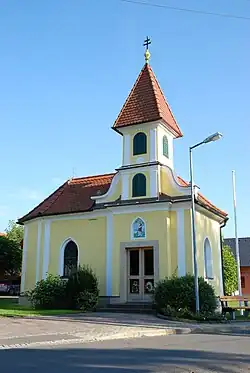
(221,246)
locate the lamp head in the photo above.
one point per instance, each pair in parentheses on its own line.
(216,136)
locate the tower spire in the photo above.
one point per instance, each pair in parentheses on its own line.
(146,43)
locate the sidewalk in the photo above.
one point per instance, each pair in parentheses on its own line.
(21,332)
(82,328)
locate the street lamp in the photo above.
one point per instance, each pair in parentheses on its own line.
(216,136)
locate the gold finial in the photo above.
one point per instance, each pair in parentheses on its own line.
(146,43)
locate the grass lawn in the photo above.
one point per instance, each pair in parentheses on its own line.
(9,308)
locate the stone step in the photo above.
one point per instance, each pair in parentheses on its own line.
(128,308)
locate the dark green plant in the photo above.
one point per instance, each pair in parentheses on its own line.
(10,256)
(83,289)
(229,266)
(178,294)
(49,293)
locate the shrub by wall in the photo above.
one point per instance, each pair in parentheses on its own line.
(176,294)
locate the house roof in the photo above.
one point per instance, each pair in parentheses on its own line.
(146,103)
(75,196)
(2,234)
(244,249)
(72,197)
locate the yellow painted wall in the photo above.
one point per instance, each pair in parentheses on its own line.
(30,274)
(156,229)
(167,186)
(90,235)
(207,227)
(146,173)
(116,193)
(132,131)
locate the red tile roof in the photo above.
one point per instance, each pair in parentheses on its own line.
(74,196)
(146,103)
(2,234)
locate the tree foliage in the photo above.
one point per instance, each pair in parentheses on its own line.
(229,270)
(14,232)
(10,256)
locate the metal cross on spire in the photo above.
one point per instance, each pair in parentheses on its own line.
(146,43)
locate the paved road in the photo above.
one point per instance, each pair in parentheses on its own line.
(171,354)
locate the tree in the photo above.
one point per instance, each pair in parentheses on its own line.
(14,232)
(229,266)
(10,256)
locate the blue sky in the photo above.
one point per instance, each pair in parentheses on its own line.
(67,66)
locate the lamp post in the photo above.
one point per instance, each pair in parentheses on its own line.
(216,136)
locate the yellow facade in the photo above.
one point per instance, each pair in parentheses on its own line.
(91,238)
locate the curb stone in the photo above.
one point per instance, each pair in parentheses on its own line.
(79,340)
(215,328)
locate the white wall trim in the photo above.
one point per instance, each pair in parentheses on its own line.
(109,254)
(114,182)
(61,254)
(46,249)
(38,249)
(153,145)
(163,206)
(24,261)
(125,186)
(153,182)
(181,248)
(126,149)
(212,258)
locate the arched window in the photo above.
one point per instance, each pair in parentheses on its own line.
(208,259)
(140,143)
(139,185)
(70,259)
(165,146)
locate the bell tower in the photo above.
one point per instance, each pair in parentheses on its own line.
(148,128)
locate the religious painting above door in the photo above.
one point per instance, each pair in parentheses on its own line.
(138,229)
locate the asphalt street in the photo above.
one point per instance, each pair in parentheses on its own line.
(172,354)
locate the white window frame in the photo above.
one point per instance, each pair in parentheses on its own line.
(208,260)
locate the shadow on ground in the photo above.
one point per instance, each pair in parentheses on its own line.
(125,360)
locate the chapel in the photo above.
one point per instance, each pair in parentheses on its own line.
(133,226)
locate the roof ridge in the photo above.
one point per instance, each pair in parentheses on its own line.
(128,98)
(165,100)
(91,176)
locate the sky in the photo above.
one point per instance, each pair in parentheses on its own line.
(66,67)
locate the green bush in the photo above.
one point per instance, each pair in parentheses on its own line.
(176,294)
(82,289)
(49,293)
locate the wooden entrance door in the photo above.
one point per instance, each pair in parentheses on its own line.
(140,274)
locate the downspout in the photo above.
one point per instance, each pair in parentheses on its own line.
(221,254)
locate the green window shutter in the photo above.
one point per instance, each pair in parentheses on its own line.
(165,146)
(140,143)
(139,185)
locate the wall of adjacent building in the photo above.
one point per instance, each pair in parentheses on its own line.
(245,272)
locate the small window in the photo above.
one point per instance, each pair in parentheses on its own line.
(140,144)
(165,146)
(139,185)
(70,262)
(208,258)
(243,282)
